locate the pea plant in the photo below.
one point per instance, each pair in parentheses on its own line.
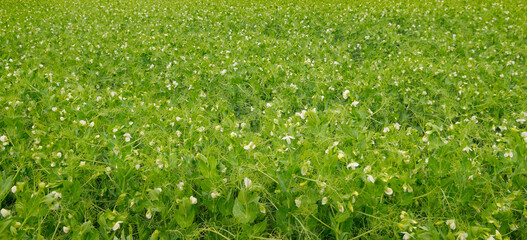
(215,119)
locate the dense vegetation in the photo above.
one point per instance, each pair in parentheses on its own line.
(217,119)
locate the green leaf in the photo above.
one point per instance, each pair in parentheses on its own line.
(5,185)
(244,213)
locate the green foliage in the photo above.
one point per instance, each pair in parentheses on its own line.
(221,119)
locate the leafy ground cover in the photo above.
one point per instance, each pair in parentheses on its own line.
(263,119)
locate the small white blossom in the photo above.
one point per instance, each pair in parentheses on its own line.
(288,139)
(249,146)
(82,123)
(462,236)
(304,170)
(214,194)
(406,235)
(345,94)
(247,182)
(298,202)
(355,103)
(66,229)
(13,189)
(467,149)
(117,225)
(324,200)
(370,179)
(451,224)
(55,207)
(193,200)
(181,185)
(5,212)
(127,137)
(388,191)
(148,214)
(352,165)
(341,208)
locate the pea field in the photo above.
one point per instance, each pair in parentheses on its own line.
(276,119)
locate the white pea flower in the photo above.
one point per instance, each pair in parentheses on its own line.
(193,200)
(117,225)
(5,212)
(304,170)
(288,139)
(3,138)
(370,179)
(82,164)
(451,223)
(55,207)
(341,208)
(508,154)
(214,194)
(524,135)
(324,200)
(352,165)
(249,146)
(345,94)
(298,202)
(262,208)
(406,235)
(66,229)
(341,155)
(13,189)
(180,185)
(462,236)
(148,214)
(354,103)
(127,137)
(82,123)
(467,149)
(388,190)
(386,129)
(222,72)
(247,182)
(56,194)
(397,126)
